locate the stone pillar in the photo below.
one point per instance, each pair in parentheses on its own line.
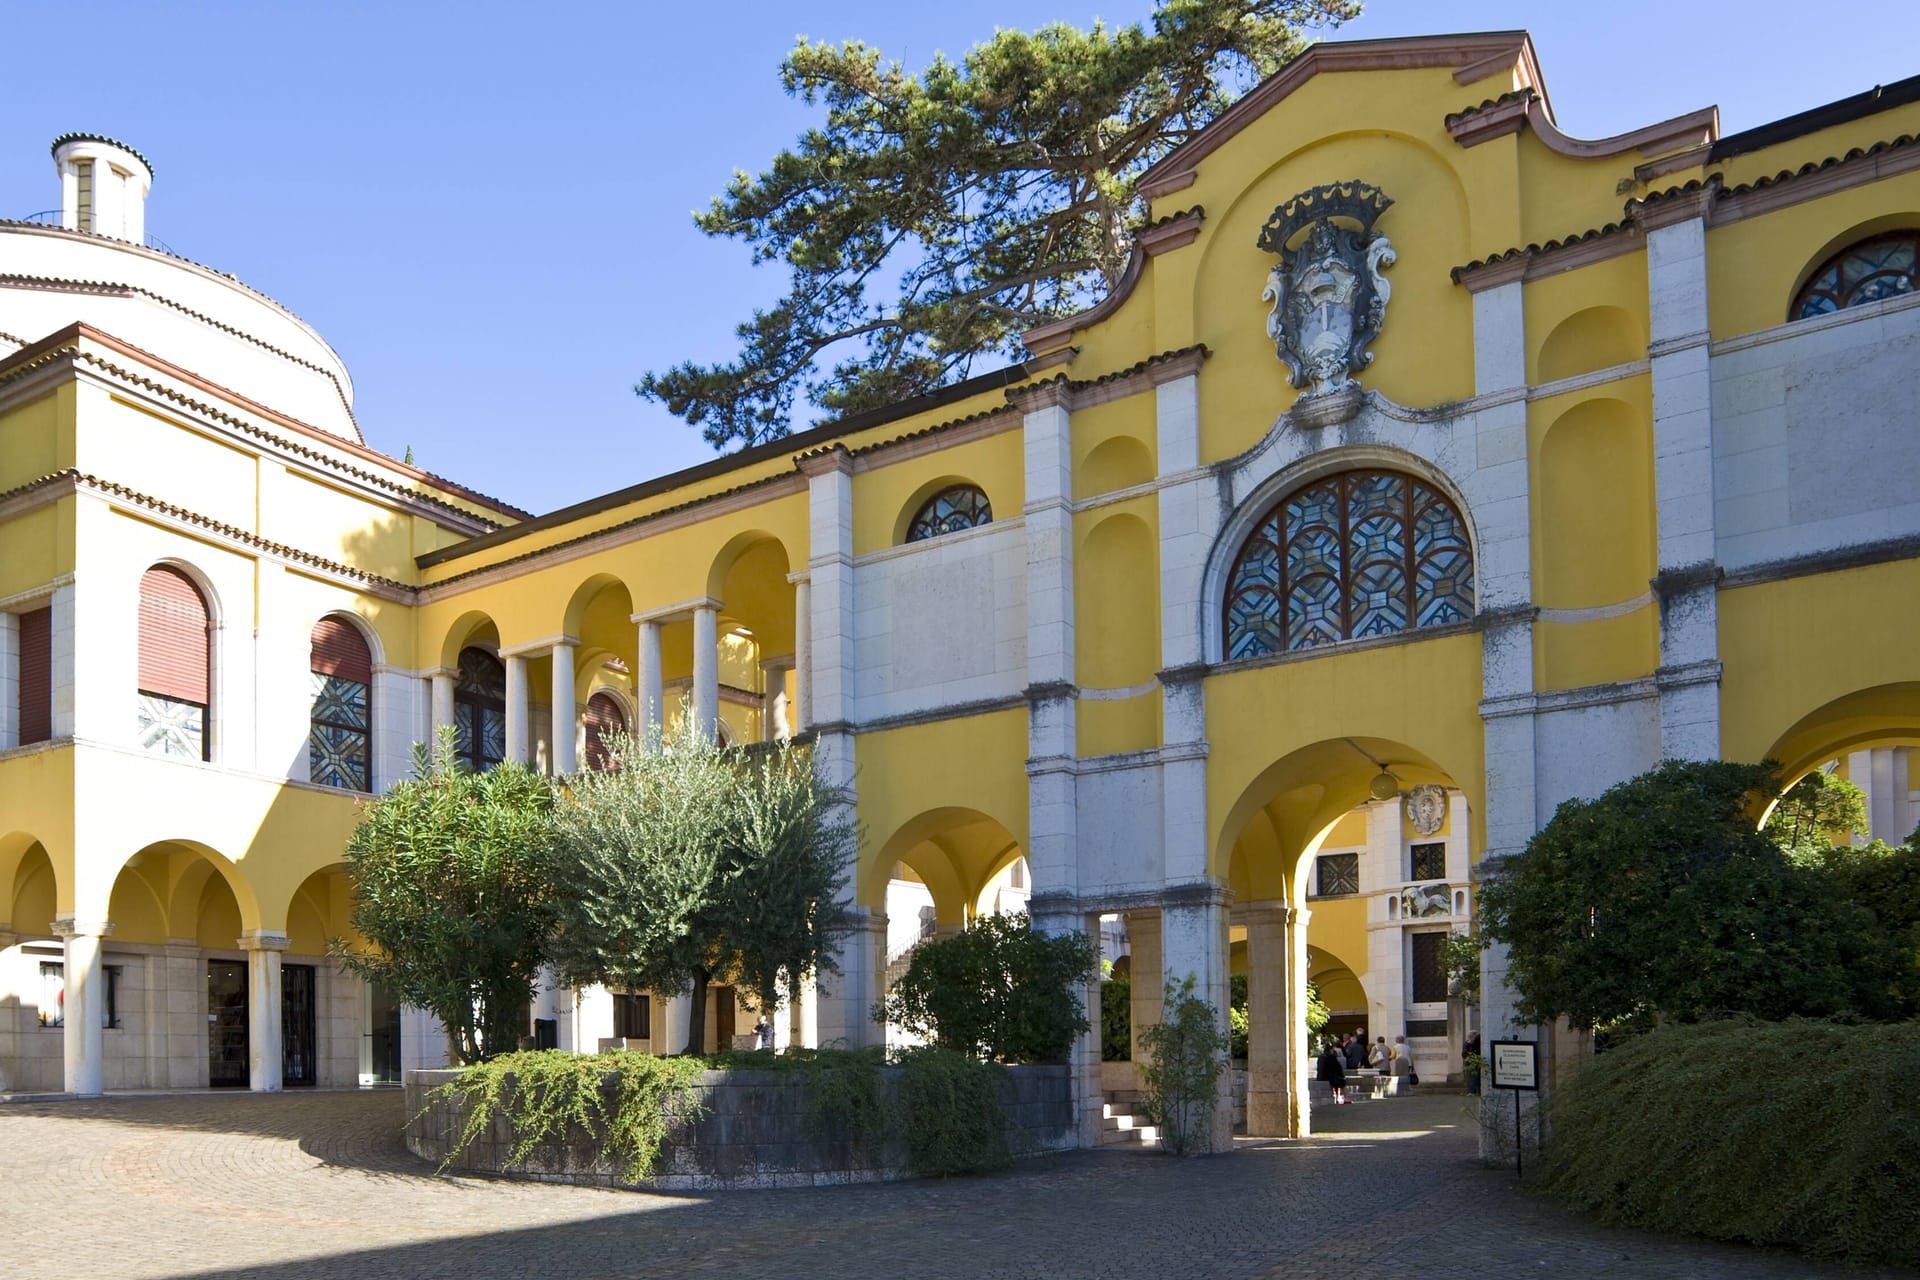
(676,1025)
(1193,942)
(186,1005)
(842,1012)
(647,690)
(1146,973)
(265,1053)
(706,669)
(773,699)
(566,724)
(806,1014)
(1270,1076)
(1084,1058)
(1299,1053)
(1678,334)
(442,700)
(83,1003)
(519,711)
(802,653)
(1383,878)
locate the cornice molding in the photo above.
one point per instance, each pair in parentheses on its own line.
(1175,231)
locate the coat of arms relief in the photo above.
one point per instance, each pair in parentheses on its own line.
(1329,296)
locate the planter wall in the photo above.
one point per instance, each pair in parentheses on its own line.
(755,1133)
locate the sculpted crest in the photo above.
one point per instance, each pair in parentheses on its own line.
(1329,297)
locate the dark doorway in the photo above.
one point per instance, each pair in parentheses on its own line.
(723,1007)
(384,1032)
(299,1057)
(227,1024)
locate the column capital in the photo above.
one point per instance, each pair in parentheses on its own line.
(537,648)
(69,926)
(262,940)
(676,612)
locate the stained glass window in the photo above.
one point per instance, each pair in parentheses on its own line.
(1366,553)
(1882,267)
(480,710)
(171,727)
(963,506)
(339,743)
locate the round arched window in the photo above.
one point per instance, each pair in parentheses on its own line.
(1366,553)
(963,506)
(1882,267)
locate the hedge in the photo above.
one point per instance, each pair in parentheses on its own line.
(1798,1133)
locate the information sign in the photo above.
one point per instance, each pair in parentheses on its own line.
(1516,1064)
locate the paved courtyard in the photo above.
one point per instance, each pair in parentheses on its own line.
(300,1185)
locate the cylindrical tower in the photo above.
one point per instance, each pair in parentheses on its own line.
(103,186)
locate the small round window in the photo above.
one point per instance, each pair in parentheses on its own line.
(1883,267)
(963,506)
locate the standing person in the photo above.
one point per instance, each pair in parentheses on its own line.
(763,1033)
(1334,1072)
(1403,1065)
(1379,1055)
(1353,1047)
(1470,1062)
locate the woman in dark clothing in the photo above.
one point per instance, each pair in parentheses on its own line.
(1334,1072)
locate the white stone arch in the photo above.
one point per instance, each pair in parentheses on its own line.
(1287,460)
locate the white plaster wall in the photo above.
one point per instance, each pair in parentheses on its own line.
(941,622)
(1582,750)
(1816,435)
(198,345)
(1120,826)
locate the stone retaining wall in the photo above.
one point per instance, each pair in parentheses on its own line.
(755,1133)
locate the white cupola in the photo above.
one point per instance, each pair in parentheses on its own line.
(103,186)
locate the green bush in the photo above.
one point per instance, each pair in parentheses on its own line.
(998,990)
(842,1087)
(950,1113)
(545,1093)
(1796,1133)
(1116,1017)
(1186,1052)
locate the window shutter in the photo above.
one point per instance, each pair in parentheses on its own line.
(173,636)
(603,719)
(340,650)
(36,676)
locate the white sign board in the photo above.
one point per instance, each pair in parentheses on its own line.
(1515,1064)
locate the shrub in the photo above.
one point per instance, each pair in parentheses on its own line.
(1116,1017)
(950,1113)
(546,1093)
(1796,1133)
(998,990)
(1186,1052)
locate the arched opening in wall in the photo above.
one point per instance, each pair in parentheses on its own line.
(605,720)
(1870,738)
(1324,852)
(1873,266)
(606,667)
(754,638)
(31,969)
(327,1037)
(1341,991)
(340,732)
(1119,462)
(174,698)
(480,709)
(1591,339)
(1351,556)
(929,880)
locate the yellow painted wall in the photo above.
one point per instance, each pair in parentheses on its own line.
(36,438)
(1116,625)
(886,498)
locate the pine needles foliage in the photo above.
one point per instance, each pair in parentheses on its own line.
(1800,1133)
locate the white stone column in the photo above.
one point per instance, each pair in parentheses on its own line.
(676,1025)
(806,1014)
(1193,943)
(265,1051)
(519,710)
(83,1003)
(1271,1103)
(706,669)
(9,681)
(1383,877)
(647,690)
(1678,334)
(1300,1055)
(566,717)
(442,681)
(802,652)
(773,699)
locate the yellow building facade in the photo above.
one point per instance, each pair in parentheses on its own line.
(1428,468)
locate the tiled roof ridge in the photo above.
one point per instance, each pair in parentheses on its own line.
(103,286)
(921,434)
(1506,99)
(1171,218)
(129,148)
(1624,226)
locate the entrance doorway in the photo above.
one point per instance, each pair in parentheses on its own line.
(299,1059)
(383,1034)
(227,1024)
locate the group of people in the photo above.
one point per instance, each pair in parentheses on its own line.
(1351,1052)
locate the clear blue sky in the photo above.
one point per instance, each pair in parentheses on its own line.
(484,207)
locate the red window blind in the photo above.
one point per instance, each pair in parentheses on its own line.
(604,719)
(340,650)
(36,676)
(173,636)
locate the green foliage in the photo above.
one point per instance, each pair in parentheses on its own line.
(1318,1015)
(1794,1133)
(451,892)
(950,1113)
(1116,1017)
(1661,898)
(1186,1052)
(546,1094)
(689,863)
(1814,812)
(998,989)
(1460,953)
(999,191)
(842,1087)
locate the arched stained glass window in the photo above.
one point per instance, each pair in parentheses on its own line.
(480,710)
(964,506)
(339,739)
(1882,267)
(175,674)
(1367,553)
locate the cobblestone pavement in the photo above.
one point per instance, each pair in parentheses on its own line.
(318,1185)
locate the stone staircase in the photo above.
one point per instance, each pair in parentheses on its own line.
(1121,1125)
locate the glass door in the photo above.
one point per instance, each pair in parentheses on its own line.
(383,1029)
(299,1060)
(227,1024)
